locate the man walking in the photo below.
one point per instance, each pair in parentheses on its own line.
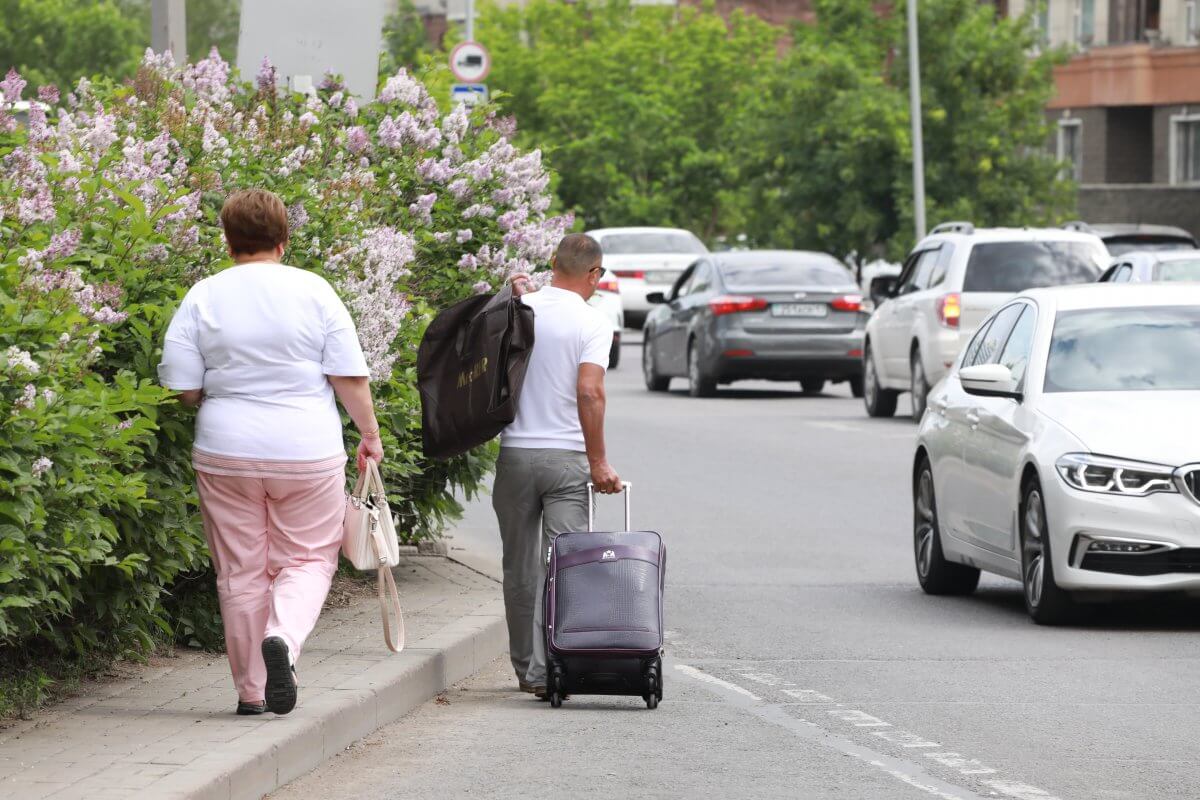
(554,446)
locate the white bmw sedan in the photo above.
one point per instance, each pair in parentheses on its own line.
(1062,449)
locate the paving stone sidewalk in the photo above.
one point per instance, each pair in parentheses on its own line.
(170,732)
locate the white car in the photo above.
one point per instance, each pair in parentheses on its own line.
(1062,449)
(955,277)
(646,260)
(608,299)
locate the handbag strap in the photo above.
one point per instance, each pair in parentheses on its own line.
(387,591)
(387,586)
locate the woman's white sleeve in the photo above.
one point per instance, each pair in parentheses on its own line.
(342,355)
(182,365)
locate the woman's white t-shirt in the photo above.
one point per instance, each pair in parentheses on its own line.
(259,339)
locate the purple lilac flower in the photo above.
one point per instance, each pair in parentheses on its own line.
(266,77)
(62,245)
(41,466)
(297,216)
(18,359)
(28,397)
(48,94)
(357,139)
(482,287)
(12,86)
(423,208)
(464,235)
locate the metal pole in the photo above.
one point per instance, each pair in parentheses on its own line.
(470,20)
(918,144)
(168,29)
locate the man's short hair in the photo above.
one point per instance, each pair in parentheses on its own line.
(254,220)
(577,254)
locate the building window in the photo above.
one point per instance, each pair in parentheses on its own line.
(1191,34)
(1070,148)
(1185,149)
(1084,21)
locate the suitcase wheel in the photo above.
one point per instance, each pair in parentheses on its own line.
(653,684)
(557,686)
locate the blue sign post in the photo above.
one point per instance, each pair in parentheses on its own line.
(469,93)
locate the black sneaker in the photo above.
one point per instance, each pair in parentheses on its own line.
(250,709)
(281,676)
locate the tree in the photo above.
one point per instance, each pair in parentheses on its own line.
(405,41)
(836,165)
(58,41)
(638,107)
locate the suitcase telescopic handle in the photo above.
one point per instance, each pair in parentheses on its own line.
(626,490)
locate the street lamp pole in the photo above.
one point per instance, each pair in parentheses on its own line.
(470,20)
(168,30)
(914,102)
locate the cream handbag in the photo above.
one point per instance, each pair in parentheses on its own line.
(369,543)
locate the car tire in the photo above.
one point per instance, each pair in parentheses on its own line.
(879,402)
(936,574)
(1046,603)
(812,385)
(614,354)
(856,386)
(701,384)
(920,386)
(654,381)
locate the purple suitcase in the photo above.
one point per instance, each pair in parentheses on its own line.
(604,612)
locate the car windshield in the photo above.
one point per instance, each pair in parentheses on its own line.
(628,244)
(1121,246)
(1125,349)
(1016,266)
(1181,269)
(773,272)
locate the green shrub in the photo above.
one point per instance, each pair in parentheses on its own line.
(108,212)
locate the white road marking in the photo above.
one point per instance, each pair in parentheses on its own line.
(692,672)
(965,766)
(905,739)
(1020,791)
(908,772)
(860,719)
(807,695)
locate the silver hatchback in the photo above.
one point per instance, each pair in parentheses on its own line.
(780,315)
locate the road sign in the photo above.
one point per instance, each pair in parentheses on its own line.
(470,62)
(469,93)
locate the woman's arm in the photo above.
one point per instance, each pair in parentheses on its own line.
(354,392)
(192,398)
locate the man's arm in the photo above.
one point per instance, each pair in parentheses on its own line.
(591,400)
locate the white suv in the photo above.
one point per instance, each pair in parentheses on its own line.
(951,281)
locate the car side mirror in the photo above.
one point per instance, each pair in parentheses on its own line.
(882,288)
(989,380)
(656,298)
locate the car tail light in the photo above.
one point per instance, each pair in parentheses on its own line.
(855,353)
(738,353)
(609,285)
(630,273)
(847,302)
(949,310)
(734,303)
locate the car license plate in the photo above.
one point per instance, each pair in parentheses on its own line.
(798,309)
(661,277)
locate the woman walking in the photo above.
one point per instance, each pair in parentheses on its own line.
(262,349)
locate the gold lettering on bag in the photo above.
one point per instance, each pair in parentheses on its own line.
(473,374)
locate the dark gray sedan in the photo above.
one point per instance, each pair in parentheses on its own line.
(780,315)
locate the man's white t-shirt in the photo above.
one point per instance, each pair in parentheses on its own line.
(259,339)
(567,332)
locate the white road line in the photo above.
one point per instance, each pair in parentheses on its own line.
(910,773)
(692,672)
(1020,791)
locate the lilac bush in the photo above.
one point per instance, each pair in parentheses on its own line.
(108,213)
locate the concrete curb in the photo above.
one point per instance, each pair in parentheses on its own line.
(331,722)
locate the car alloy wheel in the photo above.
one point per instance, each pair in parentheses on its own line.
(920,388)
(654,381)
(879,402)
(936,574)
(1046,603)
(701,385)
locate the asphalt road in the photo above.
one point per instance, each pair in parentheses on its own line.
(803,660)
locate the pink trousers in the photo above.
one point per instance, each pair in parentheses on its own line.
(274,545)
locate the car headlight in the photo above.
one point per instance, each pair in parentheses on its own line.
(1115,475)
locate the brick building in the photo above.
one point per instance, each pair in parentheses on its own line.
(1127,105)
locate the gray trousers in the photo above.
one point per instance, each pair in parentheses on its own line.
(538,494)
